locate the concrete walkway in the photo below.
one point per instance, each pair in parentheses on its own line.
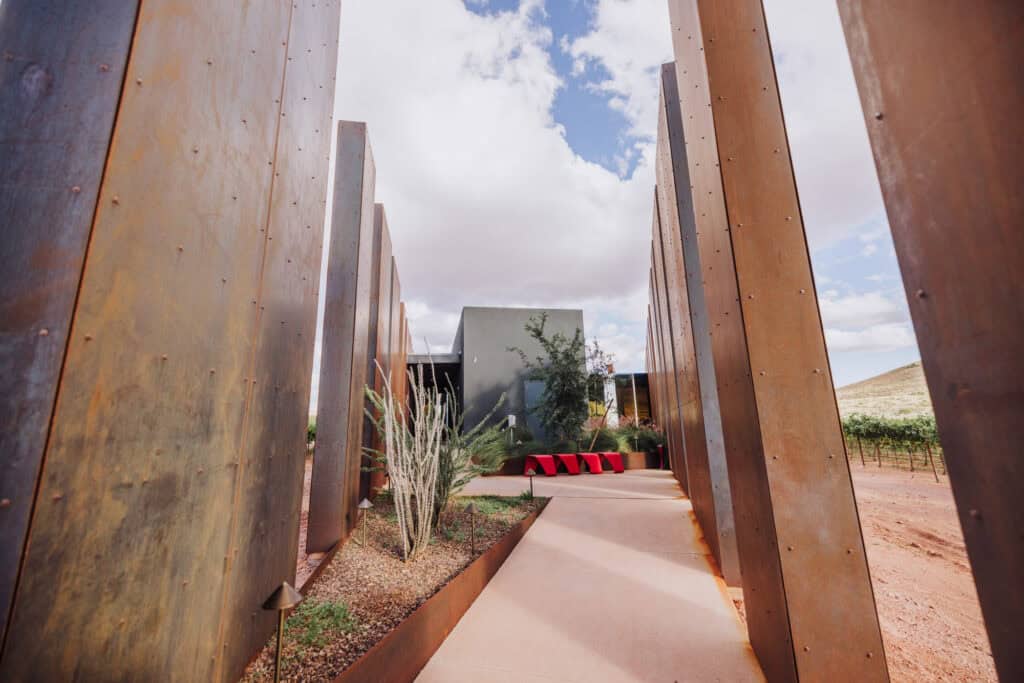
(611,583)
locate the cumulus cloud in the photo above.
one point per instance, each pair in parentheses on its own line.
(832,159)
(486,201)
(868,321)
(624,40)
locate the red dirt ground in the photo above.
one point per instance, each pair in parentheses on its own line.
(927,603)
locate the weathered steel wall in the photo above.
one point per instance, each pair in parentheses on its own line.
(670,376)
(346,332)
(381,246)
(60,84)
(723,51)
(709,476)
(169,497)
(677,306)
(382,354)
(943,97)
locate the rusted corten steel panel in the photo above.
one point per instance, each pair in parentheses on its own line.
(833,625)
(672,164)
(757,545)
(708,476)
(269,495)
(346,326)
(943,97)
(652,378)
(670,374)
(691,416)
(381,241)
(667,398)
(392,369)
(60,83)
(403,352)
(131,542)
(382,356)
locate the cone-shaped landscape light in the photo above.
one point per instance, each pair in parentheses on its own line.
(282,599)
(531,473)
(364,505)
(472,510)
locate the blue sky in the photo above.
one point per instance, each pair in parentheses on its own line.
(513,142)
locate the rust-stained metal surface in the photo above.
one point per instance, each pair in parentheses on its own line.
(943,97)
(403,652)
(827,590)
(381,354)
(264,542)
(346,331)
(677,306)
(709,476)
(60,83)
(757,544)
(381,244)
(669,375)
(169,497)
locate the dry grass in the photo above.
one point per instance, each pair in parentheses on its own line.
(898,393)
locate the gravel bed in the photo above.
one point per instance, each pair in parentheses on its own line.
(367,591)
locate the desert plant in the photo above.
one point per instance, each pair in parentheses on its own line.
(464,455)
(562,408)
(412,445)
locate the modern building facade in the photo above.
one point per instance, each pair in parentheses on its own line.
(481,366)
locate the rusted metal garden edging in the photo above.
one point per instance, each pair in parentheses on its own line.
(403,652)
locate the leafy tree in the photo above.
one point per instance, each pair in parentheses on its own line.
(600,366)
(562,408)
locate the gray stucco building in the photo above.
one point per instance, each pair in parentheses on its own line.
(480,366)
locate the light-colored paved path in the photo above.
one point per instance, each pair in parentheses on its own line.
(610,584)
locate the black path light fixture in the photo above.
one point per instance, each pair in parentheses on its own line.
(282,600)
(364,505)
(531,474)
(472,510)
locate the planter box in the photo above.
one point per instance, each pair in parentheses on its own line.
(513,465)
(402,653)
(637,460)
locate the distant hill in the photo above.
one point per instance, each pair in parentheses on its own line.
(898,393)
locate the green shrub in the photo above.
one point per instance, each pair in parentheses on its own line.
(895,432)
(311,431)
(522,433)
(606,440)
(530,447)
(643,439)
(563,446)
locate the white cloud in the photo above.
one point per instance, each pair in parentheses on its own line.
(839,191)
(631,39)
(888,337)
(869,321)
(487,203)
